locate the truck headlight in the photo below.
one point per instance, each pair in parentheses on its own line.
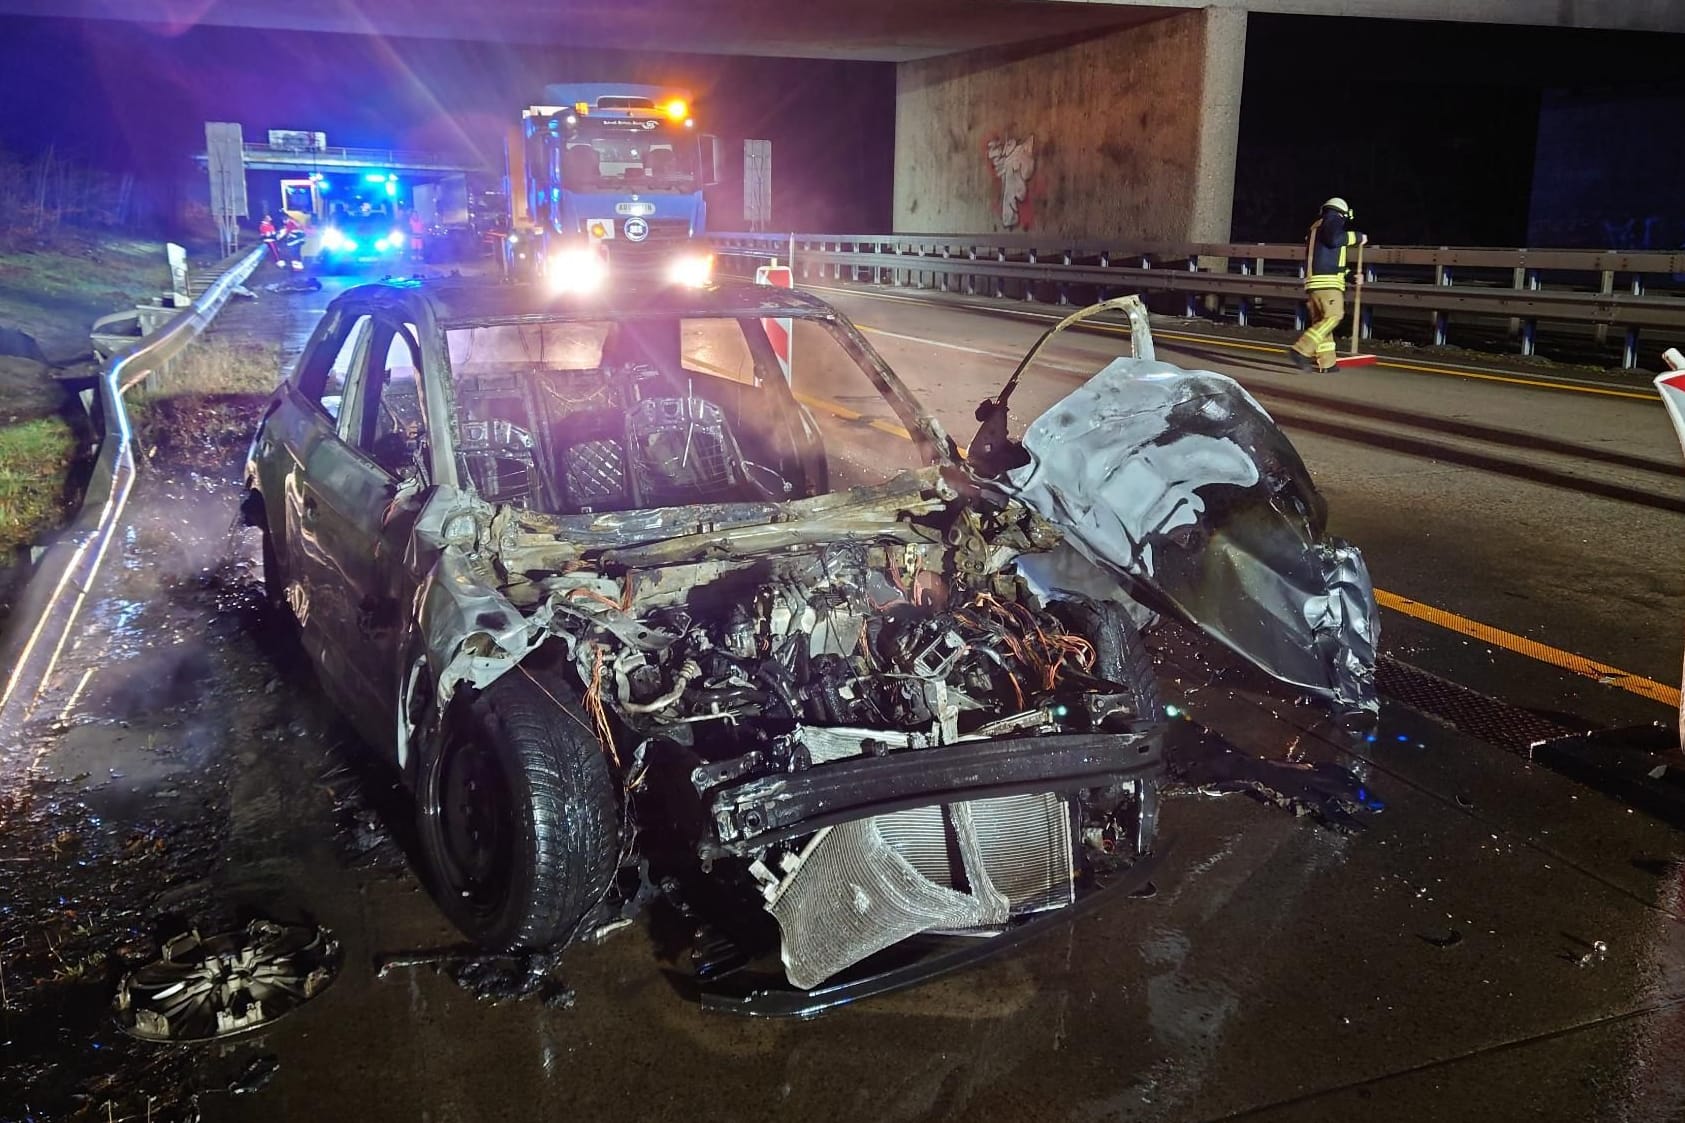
(692,271)
(576,271)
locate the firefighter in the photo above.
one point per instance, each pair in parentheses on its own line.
(418,231)
(1325,284)
(266,232)
(291,241)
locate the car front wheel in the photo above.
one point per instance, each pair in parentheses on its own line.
(519,823)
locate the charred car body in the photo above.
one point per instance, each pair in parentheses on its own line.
(586,568)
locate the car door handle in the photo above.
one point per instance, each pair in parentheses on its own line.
(309,509)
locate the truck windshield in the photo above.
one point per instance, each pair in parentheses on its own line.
(612,156)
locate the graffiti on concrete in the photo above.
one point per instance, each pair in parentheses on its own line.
(1014,162)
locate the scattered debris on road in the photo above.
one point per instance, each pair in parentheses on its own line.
(255,1076)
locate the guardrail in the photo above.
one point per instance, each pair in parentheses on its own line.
(48,607)
(1602,289)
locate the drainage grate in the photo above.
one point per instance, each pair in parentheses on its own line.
(1486,719)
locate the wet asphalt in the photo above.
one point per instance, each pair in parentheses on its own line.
(1440,961)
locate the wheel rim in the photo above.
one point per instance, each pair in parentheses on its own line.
(471,816)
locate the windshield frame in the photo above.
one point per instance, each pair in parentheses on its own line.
(934,446)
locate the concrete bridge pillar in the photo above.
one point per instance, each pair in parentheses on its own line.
(1129,135)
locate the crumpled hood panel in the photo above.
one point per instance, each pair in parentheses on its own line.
(1181,484)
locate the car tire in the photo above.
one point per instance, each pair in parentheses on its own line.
(1119,653)
(519,823)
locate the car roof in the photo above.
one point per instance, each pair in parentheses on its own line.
(466,303)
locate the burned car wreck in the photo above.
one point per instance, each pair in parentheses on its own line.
(593,572)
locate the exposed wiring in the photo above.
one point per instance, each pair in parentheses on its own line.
(594,705)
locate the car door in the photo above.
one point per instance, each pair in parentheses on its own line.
(304,447)
(380,478)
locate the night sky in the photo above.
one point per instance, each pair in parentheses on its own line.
(1433,131)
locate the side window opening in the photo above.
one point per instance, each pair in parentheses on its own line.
(393,429)
(330,394)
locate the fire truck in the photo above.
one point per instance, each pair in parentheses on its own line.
(608,179)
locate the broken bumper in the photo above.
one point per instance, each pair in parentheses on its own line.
(748,817)
(920,960)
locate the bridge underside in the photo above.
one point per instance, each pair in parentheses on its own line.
(1093,118)
(877,30)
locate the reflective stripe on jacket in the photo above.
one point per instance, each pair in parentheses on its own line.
(1325,252)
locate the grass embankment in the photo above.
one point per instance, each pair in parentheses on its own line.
(205,406)
(53,291)
(197,413)
(35,459)
(57,289)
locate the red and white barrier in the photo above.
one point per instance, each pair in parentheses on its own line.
(778,331)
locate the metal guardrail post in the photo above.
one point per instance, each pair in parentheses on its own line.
(1029,287)
(1366,324)
(1244,308)
(1192,309)
(1529,325)
(1518,282)
(1629,346)
(1438,317)
(1606,287)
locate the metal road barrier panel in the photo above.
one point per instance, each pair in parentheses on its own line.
(1625,291)
(46,611)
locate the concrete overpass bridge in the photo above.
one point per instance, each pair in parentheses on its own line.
(1070,117)
(279,158)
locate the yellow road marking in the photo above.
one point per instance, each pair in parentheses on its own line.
(1518,381)
(1532,649)
(847,414)
(1233,344)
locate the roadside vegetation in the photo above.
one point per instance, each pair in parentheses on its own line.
(35,460)
(67,257)
(206,404)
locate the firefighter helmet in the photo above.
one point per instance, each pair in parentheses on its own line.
(1338,204)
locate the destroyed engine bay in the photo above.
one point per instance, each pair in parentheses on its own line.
(876,668)
(849,635)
